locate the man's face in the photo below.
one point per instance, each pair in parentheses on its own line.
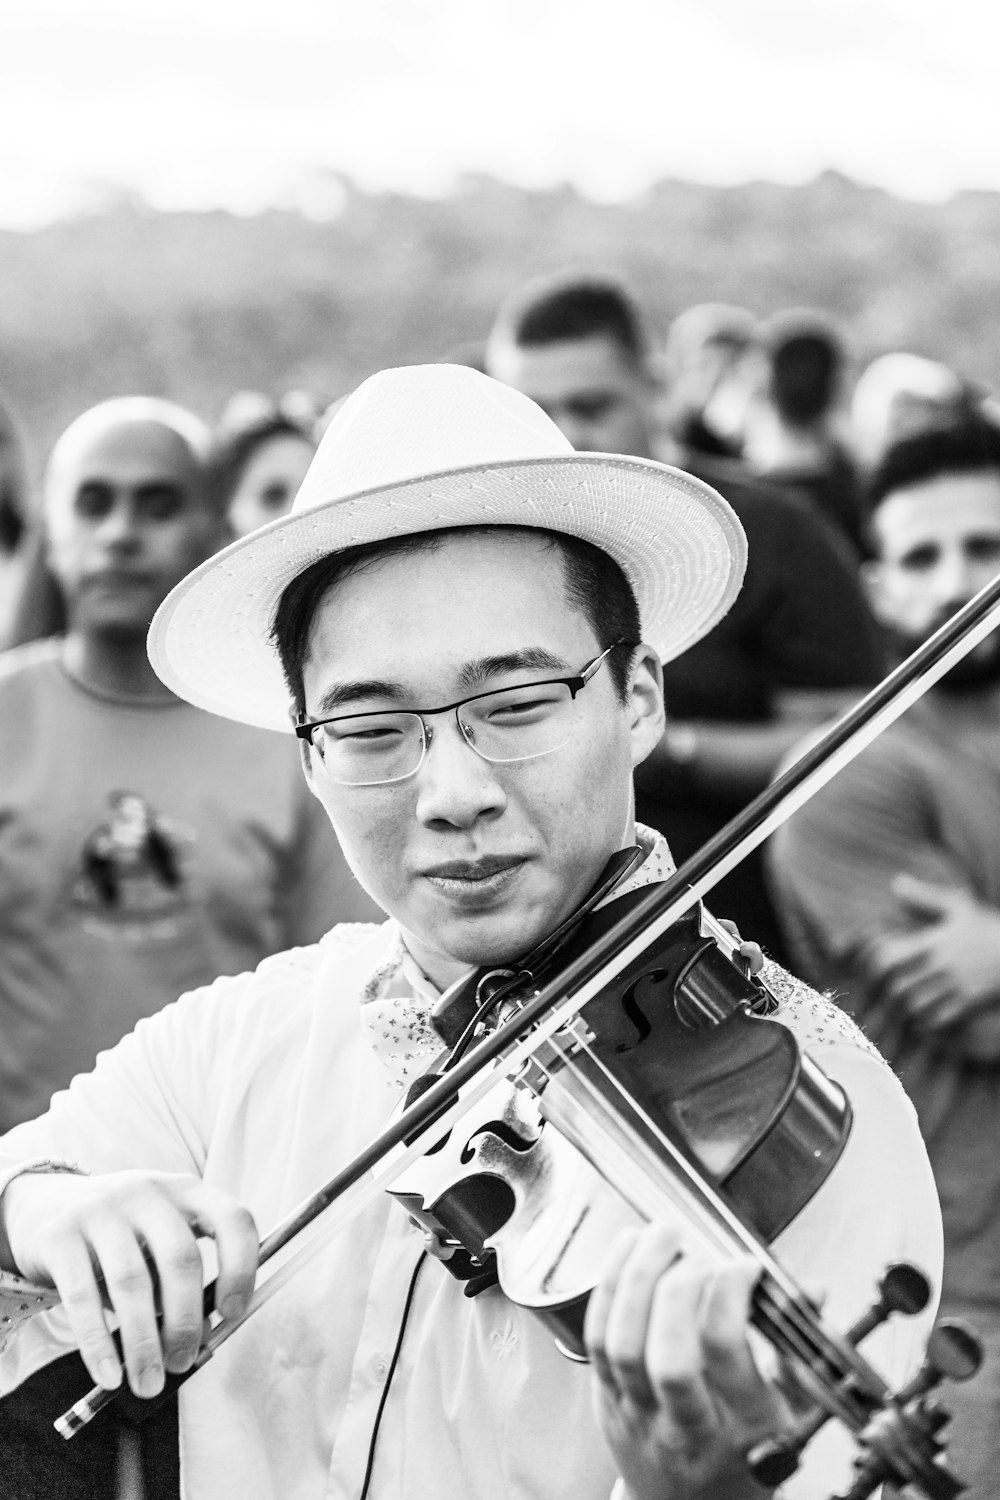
(599,399)
(939,544)
(477,861)
(126,519)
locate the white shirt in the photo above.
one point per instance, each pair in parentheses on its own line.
(265,1085)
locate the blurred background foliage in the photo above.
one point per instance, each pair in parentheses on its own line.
(197,305)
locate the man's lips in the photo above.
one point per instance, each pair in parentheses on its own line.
(474,884)
(474,870)
(118,578)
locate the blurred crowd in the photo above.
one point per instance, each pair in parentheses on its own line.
(132,868)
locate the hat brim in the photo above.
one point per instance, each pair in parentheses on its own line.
(677,541)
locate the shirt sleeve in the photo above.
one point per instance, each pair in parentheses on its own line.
(149,1101)
(147,1104)
(160,1100)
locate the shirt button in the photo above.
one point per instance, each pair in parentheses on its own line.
(379,1367)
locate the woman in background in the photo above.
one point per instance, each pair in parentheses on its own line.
(261,453)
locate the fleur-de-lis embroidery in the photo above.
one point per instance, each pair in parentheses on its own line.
(504,1340)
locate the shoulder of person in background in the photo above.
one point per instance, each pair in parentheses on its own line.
(17,660)
(764,501)
(802,610)
(876,897)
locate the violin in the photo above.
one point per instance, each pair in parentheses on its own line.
(673,1093)
(575,1038)
(676,1039)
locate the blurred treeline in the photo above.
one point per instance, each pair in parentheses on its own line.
(197,305)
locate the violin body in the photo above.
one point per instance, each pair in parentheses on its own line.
(519,1188)
(684,1031)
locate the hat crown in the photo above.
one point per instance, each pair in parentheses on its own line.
(419,420)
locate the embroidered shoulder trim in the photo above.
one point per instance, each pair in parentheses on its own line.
(20,1300)
(816,1019)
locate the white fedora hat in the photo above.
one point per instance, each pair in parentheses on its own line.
(432,446)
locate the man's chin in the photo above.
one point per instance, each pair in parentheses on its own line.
(493,934)
(118,625)
(497,940)
(973,673)
(487,942)
(976,672)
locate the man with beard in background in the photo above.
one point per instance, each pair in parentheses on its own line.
(889,879)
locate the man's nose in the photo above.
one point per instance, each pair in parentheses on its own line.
(956,579)
(454,784)
(119,526)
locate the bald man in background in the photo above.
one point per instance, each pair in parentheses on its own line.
(145,846)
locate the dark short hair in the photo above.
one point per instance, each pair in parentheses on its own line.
(233,446)
(805,358)
(969,446)
(595,584)
(14,504)
(569,306)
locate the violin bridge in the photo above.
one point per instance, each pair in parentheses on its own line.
(553,1054)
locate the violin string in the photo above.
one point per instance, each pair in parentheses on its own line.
(713,1207)
(801,1331)
(796,1334)
(791,1320)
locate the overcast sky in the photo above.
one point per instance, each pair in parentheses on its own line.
(241,104)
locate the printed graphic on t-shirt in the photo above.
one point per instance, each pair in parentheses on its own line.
(131,884)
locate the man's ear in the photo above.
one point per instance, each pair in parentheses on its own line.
(306,753)
(647,720)
(219,533)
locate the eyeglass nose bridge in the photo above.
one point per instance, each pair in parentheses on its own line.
(466,733)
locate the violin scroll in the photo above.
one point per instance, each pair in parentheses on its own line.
(902,1442)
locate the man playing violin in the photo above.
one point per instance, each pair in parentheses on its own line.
(465,621)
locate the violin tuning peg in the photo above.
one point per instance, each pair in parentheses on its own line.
(964,1349)
(903,1440)
(954,1352)
(774,1460)
(903,1289)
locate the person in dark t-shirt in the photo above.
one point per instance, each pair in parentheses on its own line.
(793,429)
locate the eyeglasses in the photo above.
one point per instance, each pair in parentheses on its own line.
(509,724)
